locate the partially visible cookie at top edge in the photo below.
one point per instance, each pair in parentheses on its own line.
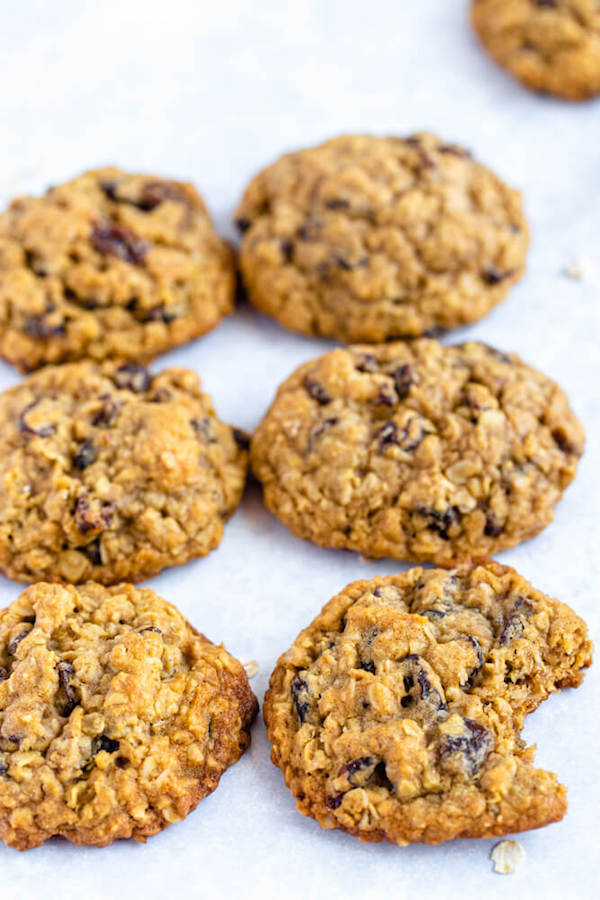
(116,716)
(396,714)
(111,473)
(109,265)
(369,238)
(417,451)
(552,46)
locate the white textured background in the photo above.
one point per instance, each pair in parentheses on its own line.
(212,92)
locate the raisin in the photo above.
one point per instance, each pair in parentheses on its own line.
(367,363)
(368,666)
(388,435)
(24,428)
(287,250)
(549,3)
(320,429)
(337,203)
(110,189)
(242,438)
(243,224)
(3,673)
(88,518)
(150,628)
(364,766)
(386,397)
(41,326)
(300,696)
(116,240)
(427,694)
(12,647)
(473,746)
(93,552)
(512,629)
(132,377)
(492,275)
(65,671)
(109,745)
(403,379)
(455,150)
(204,427)
(316,390)
(156,192)
(480,658)
(3,770)
(492,526)
(441,521)
(347,266)
(107,412)
(85,456)
(559,436)
(334,802)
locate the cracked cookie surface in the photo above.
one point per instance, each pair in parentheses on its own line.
(109,265)
(366,238)
(416,450)
(397,713)
(110,473)
(116,716)
(549,45)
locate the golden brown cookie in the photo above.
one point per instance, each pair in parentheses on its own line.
(109,265)
(116,716)
(110,473)
(549,45)
(367,238)
(416,450)
(396,715)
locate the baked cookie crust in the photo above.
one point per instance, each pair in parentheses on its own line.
(550,45)
(416,450)
(109,265)
(110,473)
(116,716)
(396,715)
(366,238)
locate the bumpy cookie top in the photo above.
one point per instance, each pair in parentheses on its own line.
(550,45)
(109,265)
(110,473)
(116,716)
(396,714)
(366,238)
(416,450)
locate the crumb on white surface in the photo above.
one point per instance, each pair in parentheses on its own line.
(251,667)
(508,857)
(579,269)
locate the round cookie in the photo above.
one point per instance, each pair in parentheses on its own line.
(367,239)
(397,713)
(549,45)
(416,450)
(109,473)
(109,265)
(116,716)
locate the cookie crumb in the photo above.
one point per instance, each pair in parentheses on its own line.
(579,269)
(251,667)
(574,271)
(508,857)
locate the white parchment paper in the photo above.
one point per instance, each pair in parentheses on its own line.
(212,92)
